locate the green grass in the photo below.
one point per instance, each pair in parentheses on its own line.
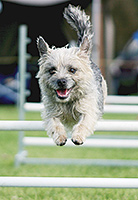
(9,147)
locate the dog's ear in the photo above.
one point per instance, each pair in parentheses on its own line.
(85,46)
(42,46)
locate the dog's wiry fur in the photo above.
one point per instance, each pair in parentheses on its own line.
(73,89)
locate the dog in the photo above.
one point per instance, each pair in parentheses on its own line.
(72,87)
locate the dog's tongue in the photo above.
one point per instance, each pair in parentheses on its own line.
(62,92)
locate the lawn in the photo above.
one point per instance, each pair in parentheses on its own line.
(9,147)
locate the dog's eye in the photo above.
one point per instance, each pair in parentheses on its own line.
(72,70)
(52,70)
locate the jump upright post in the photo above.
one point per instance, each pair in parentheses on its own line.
(22,63)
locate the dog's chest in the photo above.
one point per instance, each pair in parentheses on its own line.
(69,116)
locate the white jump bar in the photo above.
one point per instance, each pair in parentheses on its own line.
(103,125)
(128,109)
(132,109)
(120,99)
(90,142)
(65,182)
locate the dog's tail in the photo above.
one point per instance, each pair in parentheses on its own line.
(80,22)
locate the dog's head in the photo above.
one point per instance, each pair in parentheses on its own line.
(64,72)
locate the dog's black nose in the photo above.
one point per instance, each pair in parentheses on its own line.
(62,82)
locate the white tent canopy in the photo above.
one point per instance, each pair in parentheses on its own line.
(37,2)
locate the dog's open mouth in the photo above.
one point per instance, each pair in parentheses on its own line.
(63,93)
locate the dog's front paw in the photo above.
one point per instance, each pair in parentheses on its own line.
(78,139)
(79,134)
(60,140)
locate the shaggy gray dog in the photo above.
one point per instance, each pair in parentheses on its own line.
(72,87)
